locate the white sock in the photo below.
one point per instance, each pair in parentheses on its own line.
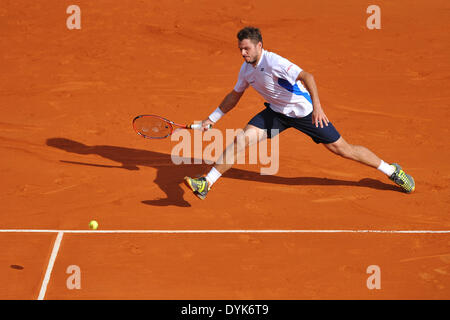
(212,176)
(387,169)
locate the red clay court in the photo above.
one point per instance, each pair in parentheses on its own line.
(70,155)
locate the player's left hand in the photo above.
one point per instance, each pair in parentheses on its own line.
(319,117)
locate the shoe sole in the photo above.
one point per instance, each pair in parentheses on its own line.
(188,182)
(414,185)
(200,196)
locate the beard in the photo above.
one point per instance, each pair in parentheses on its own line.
(251,61)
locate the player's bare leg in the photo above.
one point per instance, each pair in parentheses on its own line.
(367,157)
(250,136)
(354,152)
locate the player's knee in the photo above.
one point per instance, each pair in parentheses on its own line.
(252,136)
(347,152)
(344,150)
(240,142)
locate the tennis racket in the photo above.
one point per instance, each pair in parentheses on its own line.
(156,127)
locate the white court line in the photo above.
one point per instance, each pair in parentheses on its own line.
(223,231)
(50,265)
(61,233)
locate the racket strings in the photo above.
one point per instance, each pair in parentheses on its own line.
(153,127)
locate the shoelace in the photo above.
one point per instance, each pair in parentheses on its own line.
(401,178)
(200,185)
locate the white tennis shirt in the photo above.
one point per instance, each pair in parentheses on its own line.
(274,78)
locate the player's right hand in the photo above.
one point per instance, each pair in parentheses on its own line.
(207,124)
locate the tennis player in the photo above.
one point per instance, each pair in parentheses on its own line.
(288,104)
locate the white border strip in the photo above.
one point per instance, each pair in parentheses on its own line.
(50,265)
(222,231)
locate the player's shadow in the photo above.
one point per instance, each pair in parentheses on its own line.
(169,176)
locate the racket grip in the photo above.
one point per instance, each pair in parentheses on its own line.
(198,126)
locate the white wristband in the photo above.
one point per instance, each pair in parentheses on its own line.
(216,115)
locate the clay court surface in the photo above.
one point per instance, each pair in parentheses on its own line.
(69,154)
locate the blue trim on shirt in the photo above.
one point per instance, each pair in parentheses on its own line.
(294,89)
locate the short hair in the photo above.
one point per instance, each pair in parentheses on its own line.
(251,33)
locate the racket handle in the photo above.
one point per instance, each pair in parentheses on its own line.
(198,126)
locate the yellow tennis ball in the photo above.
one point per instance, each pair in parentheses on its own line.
(93,225)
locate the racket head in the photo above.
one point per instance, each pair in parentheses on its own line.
(152,126)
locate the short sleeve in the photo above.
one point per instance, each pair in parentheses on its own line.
(241,84)
(285,69)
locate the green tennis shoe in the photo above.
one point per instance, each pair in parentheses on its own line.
(198,185)
(405,181)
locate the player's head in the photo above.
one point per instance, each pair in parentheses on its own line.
(250,44)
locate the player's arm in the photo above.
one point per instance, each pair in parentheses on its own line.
(228,103)
(318,115)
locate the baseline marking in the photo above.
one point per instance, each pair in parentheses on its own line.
(60,234)
(50,265)
(222,231)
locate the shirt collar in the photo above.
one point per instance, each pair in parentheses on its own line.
(260,59)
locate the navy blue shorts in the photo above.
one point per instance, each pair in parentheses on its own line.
(269,119)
